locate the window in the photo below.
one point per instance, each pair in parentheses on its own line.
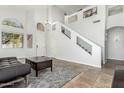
(84,45)
(40,27)
(115,10)
(11,40)
(72,19)
(90,12)
(66,32)
(13,22)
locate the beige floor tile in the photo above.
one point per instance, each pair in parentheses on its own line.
(92,77)
(68,85)
(103,81)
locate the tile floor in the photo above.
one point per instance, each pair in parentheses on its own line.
(92,77)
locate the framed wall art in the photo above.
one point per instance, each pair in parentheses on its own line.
(90,12)
(12,22)
(12,40)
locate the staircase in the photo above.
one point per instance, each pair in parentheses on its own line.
(82,40)
(67,44)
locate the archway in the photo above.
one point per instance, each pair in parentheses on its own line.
(114,43)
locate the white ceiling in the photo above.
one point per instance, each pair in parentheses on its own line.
(21,7)
(70,9)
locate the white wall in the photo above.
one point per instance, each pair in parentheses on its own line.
(29,18)
(54,14)
(95,32)
(85,27)
(57,14)
(115,34)
(115,43)
(62,47)
(115,20)
(20,15)
(41,16)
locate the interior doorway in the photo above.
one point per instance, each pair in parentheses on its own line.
(114,44)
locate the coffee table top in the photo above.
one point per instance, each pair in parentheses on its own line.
(39,59)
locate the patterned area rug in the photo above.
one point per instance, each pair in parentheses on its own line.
(62,73)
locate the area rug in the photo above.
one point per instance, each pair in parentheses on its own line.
(61,74)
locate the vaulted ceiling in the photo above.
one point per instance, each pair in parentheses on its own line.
(69,9)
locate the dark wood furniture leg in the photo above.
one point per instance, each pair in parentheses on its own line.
(51,68)
(36,70)
(36,73)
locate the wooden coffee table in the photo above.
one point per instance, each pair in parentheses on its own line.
(39,63)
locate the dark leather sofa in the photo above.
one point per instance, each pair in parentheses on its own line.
(11,69)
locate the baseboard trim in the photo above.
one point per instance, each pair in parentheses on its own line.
(73,61)
(116,59)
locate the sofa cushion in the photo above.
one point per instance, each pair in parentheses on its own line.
(4,64)
(12,58)
(4,59)
(23,69)
(14,62)
(13,72)
(7,74)
(8,59)
(11,68)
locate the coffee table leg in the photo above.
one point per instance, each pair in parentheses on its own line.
(51,66)
(36,73)
(51,69)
